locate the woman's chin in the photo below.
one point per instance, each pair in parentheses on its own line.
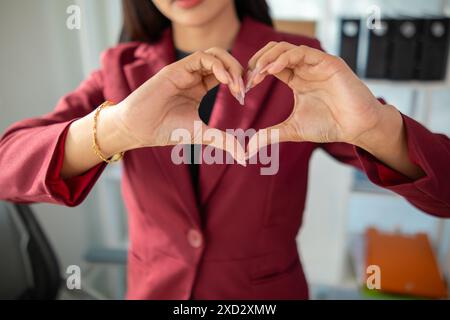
(195,18)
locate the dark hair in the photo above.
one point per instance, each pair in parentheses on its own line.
(142,21)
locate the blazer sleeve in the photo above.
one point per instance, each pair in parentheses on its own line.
(428,150)
(32,152)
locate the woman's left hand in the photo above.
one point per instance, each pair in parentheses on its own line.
(331,103)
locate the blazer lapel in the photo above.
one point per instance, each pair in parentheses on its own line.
(151,59)
(227,112)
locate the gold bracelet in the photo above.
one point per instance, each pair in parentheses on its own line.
(115,158)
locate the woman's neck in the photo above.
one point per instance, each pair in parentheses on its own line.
(219,32)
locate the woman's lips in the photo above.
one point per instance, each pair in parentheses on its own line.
(187,4)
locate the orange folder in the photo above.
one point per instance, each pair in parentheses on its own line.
(407,264)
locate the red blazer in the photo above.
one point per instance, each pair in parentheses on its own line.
(244,245)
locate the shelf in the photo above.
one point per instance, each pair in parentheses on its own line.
(434,85)
(113,256)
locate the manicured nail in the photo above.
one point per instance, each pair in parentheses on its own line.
(222,75)
(273,68)
(238,96)
(257,79)
(250,155)
(230,80)
(266,68)
(236,83)
(242,89)
(242,162)
(248,81)
(235,95)
(241,98)
(251,74)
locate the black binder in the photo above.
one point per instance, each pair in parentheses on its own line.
(432,62)
(405,41)
(350,30)
(378,50)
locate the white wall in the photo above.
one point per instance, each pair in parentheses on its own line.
(322,239)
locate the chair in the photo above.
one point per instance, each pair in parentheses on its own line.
(29,268)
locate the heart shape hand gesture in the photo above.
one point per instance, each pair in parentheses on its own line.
(331,103)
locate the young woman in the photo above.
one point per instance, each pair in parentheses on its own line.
(217,231)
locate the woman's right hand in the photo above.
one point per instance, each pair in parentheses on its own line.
(170,101)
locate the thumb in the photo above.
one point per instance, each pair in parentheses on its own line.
(264,137)
(221,140)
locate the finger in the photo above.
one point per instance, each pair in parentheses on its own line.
(283,67)
(285,75)
(210,81)
(276,134)
(272,54)
(257,55)
(262,59)
(234,68)
(252,71)
(206,64)
(221,140)
(304,59)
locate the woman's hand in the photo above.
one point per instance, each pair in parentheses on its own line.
(170,101)
(150,115)
(331,105)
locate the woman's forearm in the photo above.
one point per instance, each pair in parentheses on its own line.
(79,155)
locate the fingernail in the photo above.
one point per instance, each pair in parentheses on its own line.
(236,96)
(242,89)
(249,80)
(235,83)
(230,80)
(224,74)
(240,98)
(257,79)
(251,74)
(242,162)
(250,155)
(266,68)
(272,68)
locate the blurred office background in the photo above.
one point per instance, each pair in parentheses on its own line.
(41,60)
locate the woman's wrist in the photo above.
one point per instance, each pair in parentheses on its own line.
(388,143)
(112,134)
(388,132)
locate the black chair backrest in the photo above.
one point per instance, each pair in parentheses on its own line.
(29,268)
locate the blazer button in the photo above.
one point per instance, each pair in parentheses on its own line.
(195,238)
